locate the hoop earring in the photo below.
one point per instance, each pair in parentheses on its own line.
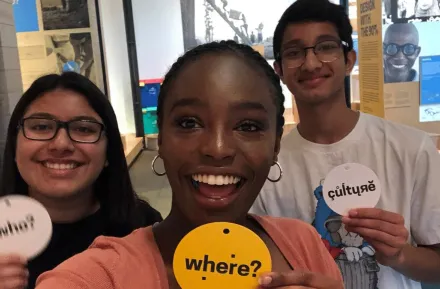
(280,176)
(154,169)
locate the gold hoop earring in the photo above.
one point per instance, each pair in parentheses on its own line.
(280,176)
(154,169)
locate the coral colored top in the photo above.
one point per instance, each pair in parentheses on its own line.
(135,261)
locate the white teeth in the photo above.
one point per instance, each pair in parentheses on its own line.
(398,66)
(56,166)
(217,180)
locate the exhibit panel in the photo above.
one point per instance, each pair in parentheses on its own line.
(58,35)
(409,61)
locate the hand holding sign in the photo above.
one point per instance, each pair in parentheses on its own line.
(13,272)
(383,230)
(220,255)
(297,279)
(25,226)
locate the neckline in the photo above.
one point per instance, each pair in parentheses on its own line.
(293,259)
(354,135)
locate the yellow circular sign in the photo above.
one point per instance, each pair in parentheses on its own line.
(221,255)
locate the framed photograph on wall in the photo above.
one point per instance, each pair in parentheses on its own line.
(65,14)
(66,36)
(404,11)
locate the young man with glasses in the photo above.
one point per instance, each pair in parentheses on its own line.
(394,245)
(400,51)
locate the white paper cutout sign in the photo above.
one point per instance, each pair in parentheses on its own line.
(351,186)
(25,226)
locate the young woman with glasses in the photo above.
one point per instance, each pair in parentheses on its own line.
(64,149)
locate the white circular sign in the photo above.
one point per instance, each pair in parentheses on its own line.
(25,226)
(351,186)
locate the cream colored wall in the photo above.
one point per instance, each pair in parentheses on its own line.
(402,106)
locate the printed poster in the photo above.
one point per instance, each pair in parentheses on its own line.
(371,75)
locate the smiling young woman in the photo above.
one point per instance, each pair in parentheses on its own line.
(220,118)
(64,149)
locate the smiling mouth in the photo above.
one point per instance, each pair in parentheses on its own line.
(212,189)
(61,166)
(313,80)
(398,66)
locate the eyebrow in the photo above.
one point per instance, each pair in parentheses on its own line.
(248,105)
(51,116)
(318,39)
(186,102)
(239,105)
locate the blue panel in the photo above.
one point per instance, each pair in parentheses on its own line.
(26,16)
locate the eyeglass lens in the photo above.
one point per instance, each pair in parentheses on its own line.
(326,51)
(46,129)
(407,49)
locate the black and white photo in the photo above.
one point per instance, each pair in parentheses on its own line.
(65,14)
(71,52)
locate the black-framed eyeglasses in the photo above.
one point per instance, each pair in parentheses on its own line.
(326,51)
(45,129)
(393,49)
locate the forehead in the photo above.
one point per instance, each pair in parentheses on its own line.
(401,36)
(63,104)
(309,33)
(220,79)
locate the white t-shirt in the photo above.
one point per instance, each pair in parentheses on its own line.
(408,166)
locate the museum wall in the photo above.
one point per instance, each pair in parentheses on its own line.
(159,38)
(165,30)
(54,36)
(411,95)
(118,77)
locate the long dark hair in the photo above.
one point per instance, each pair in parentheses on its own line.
(113,187)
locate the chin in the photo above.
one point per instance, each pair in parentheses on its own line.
(58,191)
(314,97)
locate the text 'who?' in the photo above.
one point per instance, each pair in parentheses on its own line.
(350,186)
(25,226)
(221,255)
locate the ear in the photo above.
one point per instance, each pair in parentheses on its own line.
(418,51)
(278,69)
(350,62)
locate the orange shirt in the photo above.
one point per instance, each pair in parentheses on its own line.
(135,262)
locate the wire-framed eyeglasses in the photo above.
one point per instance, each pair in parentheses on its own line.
(326,51)
(45,129)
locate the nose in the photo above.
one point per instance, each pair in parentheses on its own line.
(311,62)
(218,145)
(61,142)
(400,54)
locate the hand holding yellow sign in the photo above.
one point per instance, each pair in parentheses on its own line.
(221,255)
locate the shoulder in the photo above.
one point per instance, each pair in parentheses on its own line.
(108,260)
(147,213)
(301,243)
(292,228)
(397,135)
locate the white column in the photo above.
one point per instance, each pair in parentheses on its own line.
(11,87)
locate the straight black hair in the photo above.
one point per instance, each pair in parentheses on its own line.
(314,11)
(113,187)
